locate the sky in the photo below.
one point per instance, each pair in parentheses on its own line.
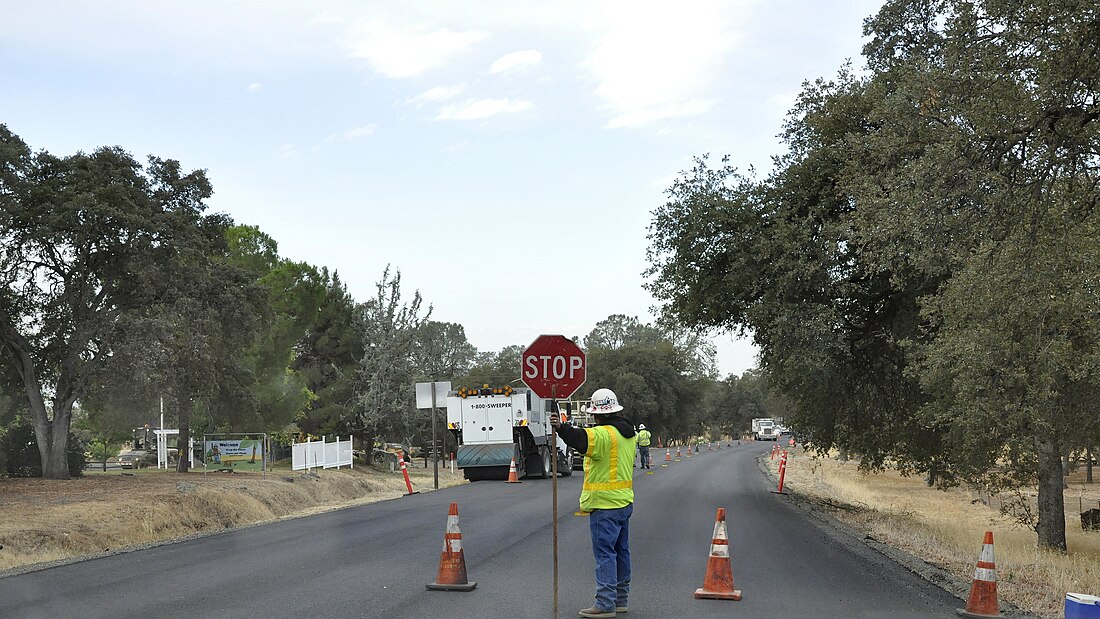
(506,157)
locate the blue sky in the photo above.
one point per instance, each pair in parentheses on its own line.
(505,156)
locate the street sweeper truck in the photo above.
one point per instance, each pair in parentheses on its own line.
(494,425)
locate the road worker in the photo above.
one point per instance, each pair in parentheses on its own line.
(607,496)
(643,444)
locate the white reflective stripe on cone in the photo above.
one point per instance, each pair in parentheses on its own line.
(719,546)
(985,575)
(455,544)
(987,553)
(720,530)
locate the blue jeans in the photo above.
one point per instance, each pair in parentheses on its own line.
(611,547)
(645,456)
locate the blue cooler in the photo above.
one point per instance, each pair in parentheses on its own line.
(1082,606)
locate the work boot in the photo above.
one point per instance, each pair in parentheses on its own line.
(621,609)
(596,613)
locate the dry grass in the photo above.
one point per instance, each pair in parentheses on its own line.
(44,520)
(946,528)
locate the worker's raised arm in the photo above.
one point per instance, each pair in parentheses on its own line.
(574,437)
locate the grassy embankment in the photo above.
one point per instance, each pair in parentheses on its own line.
(43,520)
(945,528)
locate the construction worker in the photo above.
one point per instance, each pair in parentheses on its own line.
(608,497)
(643,444)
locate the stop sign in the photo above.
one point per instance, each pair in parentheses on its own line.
(553,366)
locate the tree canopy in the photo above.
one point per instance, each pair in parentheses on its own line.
(88,243)
(918,270)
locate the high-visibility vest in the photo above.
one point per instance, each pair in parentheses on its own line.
(608,470)
(643,438)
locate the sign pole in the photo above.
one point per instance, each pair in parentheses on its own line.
(435,451)
(554,485)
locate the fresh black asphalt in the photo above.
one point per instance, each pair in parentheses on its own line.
(374,560)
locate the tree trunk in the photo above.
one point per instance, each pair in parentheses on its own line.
(52,435)
(55,460)
(1052,512)
(53,444)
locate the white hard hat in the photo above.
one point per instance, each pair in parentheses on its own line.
(604,402)
(641,426)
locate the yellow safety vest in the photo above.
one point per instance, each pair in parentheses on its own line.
(608,470)
(643,438)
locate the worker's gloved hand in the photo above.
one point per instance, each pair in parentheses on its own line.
(555,422)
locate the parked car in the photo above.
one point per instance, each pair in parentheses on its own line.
(132,459)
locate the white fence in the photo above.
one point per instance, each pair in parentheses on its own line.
(312,454)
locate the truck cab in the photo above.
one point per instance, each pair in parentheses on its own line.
(764,429)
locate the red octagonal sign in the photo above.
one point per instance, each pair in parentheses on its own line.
(553,366)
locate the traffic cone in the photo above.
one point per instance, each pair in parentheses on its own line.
(668,455)
(513,478)
(718,583)
(677,452)
(983,590)
(452,564)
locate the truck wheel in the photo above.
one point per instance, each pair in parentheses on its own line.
(544,453)
(565,463)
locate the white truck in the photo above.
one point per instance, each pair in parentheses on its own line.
(494,425)
(763,429)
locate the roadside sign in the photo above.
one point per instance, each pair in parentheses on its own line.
(553,366)
(424,392)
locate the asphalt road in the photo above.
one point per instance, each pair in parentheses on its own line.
(374,560)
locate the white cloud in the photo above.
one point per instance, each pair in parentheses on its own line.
(482,108)
(354,133)
(288,151)
(656,64)
(397,54)
(439,93)
(516,60)
(255,87)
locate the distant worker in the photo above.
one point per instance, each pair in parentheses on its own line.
(643,444)
(608,496)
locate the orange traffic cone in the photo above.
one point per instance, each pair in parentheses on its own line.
(513,478)
(452,564)
(668,455)
(718,583)
(983,590)
(677,452)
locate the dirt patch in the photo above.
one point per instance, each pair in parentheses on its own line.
(46,521)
